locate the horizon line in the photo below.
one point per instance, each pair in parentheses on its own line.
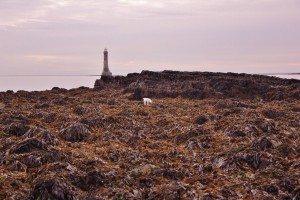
(53,75)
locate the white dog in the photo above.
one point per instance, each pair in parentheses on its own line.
(147,101)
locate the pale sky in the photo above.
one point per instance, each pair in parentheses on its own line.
(68,36)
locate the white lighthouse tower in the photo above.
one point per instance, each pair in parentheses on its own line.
(106,71)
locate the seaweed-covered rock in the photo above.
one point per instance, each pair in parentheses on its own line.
(202,119)
(49,118)
(94,122)
(241,131)
(41,106)
(182,138)
(273,114)
(296,194)
(90,181)
(17,166)
(170,191)
(42,134)
(76,132)
(28,145)
(52,189)
(17,129)
(272,189)
(263,144)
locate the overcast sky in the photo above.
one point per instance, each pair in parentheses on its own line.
(69,36)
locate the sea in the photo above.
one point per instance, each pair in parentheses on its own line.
(39,83)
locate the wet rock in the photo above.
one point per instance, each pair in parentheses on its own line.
(285,150)
(2,106)
(94,122)
(241,131)
(90,181)
(202,119)
(236,133)
(273,114)
(285,197)
(209,197)
(266,125)
(288,184)
(228,193)
(32,161)
(76,132)
(174,174)
(79,110)
(57,89)
(296,109)
(43,135)
(263,144)
(49,118)
(139,93)
(28,145)
(14,117)
(170,191)
(182,138)
(39,158)
(52,189)
(143,170)
(16,129)
(255,161)
(272,189)
(222,104)
(41,106)
(17,166)
(296,194)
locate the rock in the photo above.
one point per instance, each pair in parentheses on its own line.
(143,170)
(228,193)
(43,135)
(288,184)
(273,114)
(241,131)
(52,189)
(41,106)
(28,145)
(296,194)
(182,138)
(222,104)
(76,132)
(202,119)
(16,129)
(285,150)
(90,181)
(171,191)
(2,106)
(94,122)
(17,166)
(263,144)
(272,189)
(139,93)
(186,84)
(79,110)
(49,118)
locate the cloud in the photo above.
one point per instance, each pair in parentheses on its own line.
(220,34)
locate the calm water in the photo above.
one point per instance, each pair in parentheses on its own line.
(37,83)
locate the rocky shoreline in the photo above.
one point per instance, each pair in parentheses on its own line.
(206,136)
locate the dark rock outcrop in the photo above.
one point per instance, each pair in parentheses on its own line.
(76,132)
(200,85)
(52,189)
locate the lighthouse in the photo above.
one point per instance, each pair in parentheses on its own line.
(106,71)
